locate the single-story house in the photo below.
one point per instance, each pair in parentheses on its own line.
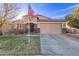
(39,24)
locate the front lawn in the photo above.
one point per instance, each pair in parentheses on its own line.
(19,45)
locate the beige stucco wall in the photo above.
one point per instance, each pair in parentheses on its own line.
(51,28)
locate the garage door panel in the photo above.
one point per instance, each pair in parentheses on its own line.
(50,28)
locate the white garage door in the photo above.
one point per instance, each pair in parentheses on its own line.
(50,28)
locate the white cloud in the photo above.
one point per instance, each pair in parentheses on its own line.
(41,5)
(60,16)
(67,8)
(21,14)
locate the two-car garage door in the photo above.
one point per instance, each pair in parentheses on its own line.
(50,28)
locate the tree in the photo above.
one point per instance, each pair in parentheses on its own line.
(73,18)
(8,11)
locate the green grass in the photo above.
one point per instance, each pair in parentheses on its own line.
(19,44)
(11,42)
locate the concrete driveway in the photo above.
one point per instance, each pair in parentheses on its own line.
(59,45)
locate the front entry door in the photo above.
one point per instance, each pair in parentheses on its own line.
(32,27)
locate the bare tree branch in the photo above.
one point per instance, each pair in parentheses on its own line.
(9,11)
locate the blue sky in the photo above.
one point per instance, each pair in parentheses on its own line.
(51,10)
